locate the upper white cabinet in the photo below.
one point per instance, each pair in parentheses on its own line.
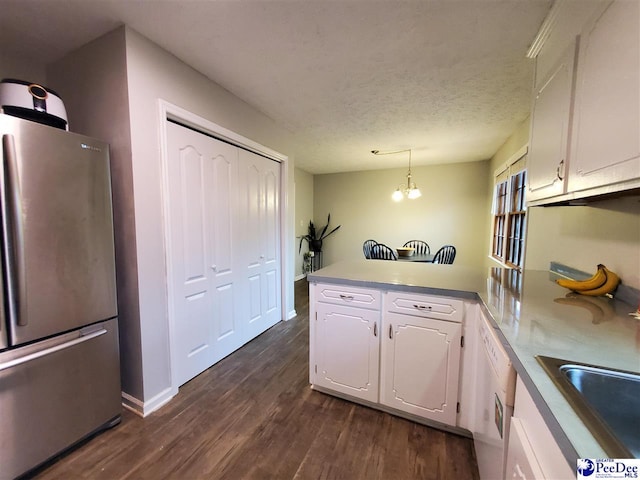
(606,125)
(549,137)
(585,124)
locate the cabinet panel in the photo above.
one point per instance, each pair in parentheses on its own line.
(347,350)
(442,308)
(549,137)
(547,452)
(521,460)
(607,104)
(420,366)
(350,296)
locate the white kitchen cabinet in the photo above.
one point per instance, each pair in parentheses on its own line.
(345,340)
(521,459)
(585,119)
(549,135)
(467,392)
(428,306)
(347,350)
(533,452)
(606,125)
(406,359)
(420,364)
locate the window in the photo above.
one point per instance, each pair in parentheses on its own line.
(509,213)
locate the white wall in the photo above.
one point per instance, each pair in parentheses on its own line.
(304,213)
(452,210)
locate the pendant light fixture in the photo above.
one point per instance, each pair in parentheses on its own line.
(411,190)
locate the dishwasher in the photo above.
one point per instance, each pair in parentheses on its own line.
(495,392)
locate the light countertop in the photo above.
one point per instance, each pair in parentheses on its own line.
(529,319)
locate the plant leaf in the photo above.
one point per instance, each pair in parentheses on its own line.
(325,236)
(325,227)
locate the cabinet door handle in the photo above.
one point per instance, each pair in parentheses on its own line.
(519,472)
(346,297)
(391,332)
(560,170)
(375,329)
(422,307)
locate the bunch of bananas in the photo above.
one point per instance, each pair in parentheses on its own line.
(603,282)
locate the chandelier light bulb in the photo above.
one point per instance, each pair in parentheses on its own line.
(414,193)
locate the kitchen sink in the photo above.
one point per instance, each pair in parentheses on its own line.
(607,401)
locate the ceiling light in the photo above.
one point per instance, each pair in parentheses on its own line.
(411,190)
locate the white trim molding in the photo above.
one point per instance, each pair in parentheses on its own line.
(143,409)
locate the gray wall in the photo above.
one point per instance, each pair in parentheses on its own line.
(304,213)
(605,232)
(135,74)
(17,66)
(452,210)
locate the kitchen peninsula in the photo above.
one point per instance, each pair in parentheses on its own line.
(526,315)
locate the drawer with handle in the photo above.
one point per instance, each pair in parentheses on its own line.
(346,295)
(441,308)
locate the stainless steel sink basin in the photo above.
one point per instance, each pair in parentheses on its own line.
(607,401)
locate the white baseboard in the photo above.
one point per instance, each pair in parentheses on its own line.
(143,409)
(291,314)
(300,277)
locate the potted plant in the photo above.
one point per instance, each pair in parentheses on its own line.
(314,239)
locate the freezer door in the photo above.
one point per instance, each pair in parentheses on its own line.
(58,230)
(56,392)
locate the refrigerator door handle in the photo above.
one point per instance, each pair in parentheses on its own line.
(4,339)
(13,234)
(48,351)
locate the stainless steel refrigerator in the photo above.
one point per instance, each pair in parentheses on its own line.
(59,357)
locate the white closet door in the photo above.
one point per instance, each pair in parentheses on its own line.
(202,175)
(261,246)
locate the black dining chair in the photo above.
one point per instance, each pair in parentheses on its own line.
(382,252)
(366,247)
(422,248)
(446,254)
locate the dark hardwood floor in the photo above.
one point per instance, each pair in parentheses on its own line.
(253,416)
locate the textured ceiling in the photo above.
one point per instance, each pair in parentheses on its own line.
(446,78)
